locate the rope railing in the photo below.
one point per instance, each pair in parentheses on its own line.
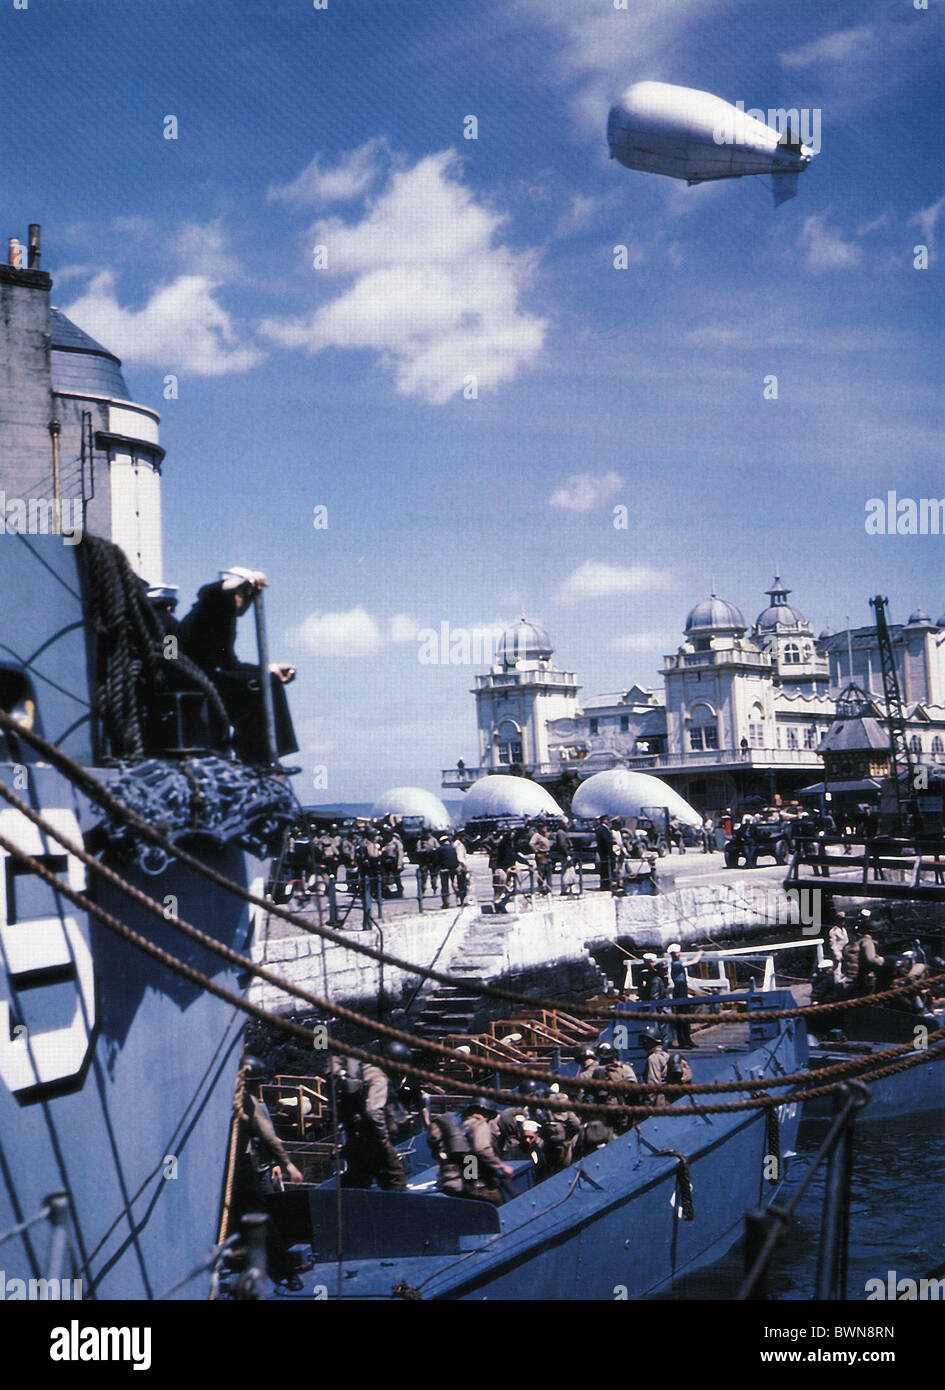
(403,1068)
(394,1034)
(99,794)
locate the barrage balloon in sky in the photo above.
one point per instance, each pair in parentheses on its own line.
(662,129)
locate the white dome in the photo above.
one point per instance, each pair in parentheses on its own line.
(413,801)
(621,792)
(501,795)
(523,641)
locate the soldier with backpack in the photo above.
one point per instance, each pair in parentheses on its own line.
(363,1091)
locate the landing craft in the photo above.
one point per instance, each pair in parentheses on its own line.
(691,135)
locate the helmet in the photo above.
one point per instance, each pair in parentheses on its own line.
(528,1087)
(583,1053)
(650,1036)
(674,1067)
(605,1049)
(480,1106)
(253,1066)
(397,1051)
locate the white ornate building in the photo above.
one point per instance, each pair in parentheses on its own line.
(741,711)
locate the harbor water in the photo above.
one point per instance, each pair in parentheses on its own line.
(897,1216)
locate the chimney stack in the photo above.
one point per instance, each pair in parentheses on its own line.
(34,252)
(13,255)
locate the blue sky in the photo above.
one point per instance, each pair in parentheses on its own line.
(450,258)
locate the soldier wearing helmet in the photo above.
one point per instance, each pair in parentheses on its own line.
(610,1068)
(363,1090)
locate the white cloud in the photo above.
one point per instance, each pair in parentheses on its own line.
(354,632)
(826,249)
(605,49)
(202,249)
(844,46)
(927,220)
(584,491)
(182,326)
(432,292)
(350,178)
(595,579)
(579,214)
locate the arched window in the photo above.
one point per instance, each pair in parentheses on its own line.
(703,728)
(915,745)
(508,740)
(756,726)
(937,745)
(792,654)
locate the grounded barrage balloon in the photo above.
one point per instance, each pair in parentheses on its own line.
(686,134)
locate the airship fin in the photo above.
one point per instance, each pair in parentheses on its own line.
(784,186)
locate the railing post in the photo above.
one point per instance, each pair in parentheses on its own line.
(419,889)
(262,653)
(756,1229)
(831,1284)
(58,1205)
(251,1281)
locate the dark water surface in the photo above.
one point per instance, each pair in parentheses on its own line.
(897,1215)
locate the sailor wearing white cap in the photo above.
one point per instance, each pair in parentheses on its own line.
(208,637)
(680,983)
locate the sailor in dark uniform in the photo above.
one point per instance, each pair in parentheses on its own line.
(208,637)
(162,599)
(680,984)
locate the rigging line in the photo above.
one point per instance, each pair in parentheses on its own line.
(512,1068)
(289,987)
(62,690)
(55,638)
(245,963)
(14,1199)
(17,1230)
(99,793)
(188,972)
(58,577)
(179,1130)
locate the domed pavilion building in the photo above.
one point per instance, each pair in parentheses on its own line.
(743,712)
(515,702)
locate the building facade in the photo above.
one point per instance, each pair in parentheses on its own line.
(743,710)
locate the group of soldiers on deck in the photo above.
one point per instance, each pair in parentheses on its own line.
(475,1149)
(857,963)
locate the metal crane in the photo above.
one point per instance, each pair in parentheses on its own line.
(907,800)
